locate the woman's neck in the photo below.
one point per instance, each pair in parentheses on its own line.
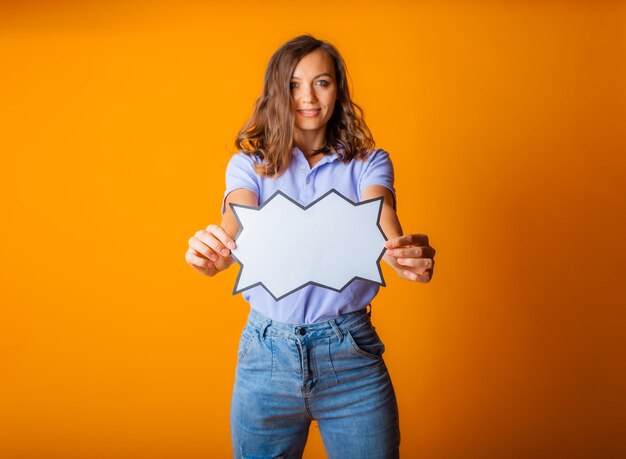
(309,141)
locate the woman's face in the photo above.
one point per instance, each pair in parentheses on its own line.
(313,92)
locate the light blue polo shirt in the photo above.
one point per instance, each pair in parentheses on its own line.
(311,304)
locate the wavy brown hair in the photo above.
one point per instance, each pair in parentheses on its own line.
(268,134)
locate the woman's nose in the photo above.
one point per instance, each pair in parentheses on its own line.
(308,95)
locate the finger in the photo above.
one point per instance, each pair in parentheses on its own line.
(212,256)
(414,252)
(209,239)
(222,236)
(417,277)
(427,252)
(423,264)
(202,249)
(195,260)
(407,239)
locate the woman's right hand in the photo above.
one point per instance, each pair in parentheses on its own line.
(209,250)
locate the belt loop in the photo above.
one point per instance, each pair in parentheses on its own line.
(333,325)
(264,327)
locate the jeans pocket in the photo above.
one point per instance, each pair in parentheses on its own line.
(366,342)
(247,336)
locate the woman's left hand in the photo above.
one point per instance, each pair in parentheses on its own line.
(411,256)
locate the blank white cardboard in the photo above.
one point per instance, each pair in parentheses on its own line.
(284,246)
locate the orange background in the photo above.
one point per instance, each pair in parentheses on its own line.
(505,122)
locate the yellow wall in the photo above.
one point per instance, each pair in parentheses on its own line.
(505,122)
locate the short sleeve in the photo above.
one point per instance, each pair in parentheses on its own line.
(240,173)
(378,171)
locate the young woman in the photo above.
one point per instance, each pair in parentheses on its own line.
(313,354)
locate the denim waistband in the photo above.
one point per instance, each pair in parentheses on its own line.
(338,326)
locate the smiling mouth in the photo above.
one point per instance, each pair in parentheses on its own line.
(308,113)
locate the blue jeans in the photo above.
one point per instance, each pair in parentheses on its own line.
(333,372)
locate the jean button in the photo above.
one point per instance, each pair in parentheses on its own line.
(302,331)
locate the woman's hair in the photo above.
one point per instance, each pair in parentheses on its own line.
(268,134)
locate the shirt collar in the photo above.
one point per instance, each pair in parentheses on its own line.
(327,158)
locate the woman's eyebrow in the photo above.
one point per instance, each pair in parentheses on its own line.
(316,76)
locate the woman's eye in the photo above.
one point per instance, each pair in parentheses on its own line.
(293,84)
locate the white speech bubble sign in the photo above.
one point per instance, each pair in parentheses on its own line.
(284,246)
